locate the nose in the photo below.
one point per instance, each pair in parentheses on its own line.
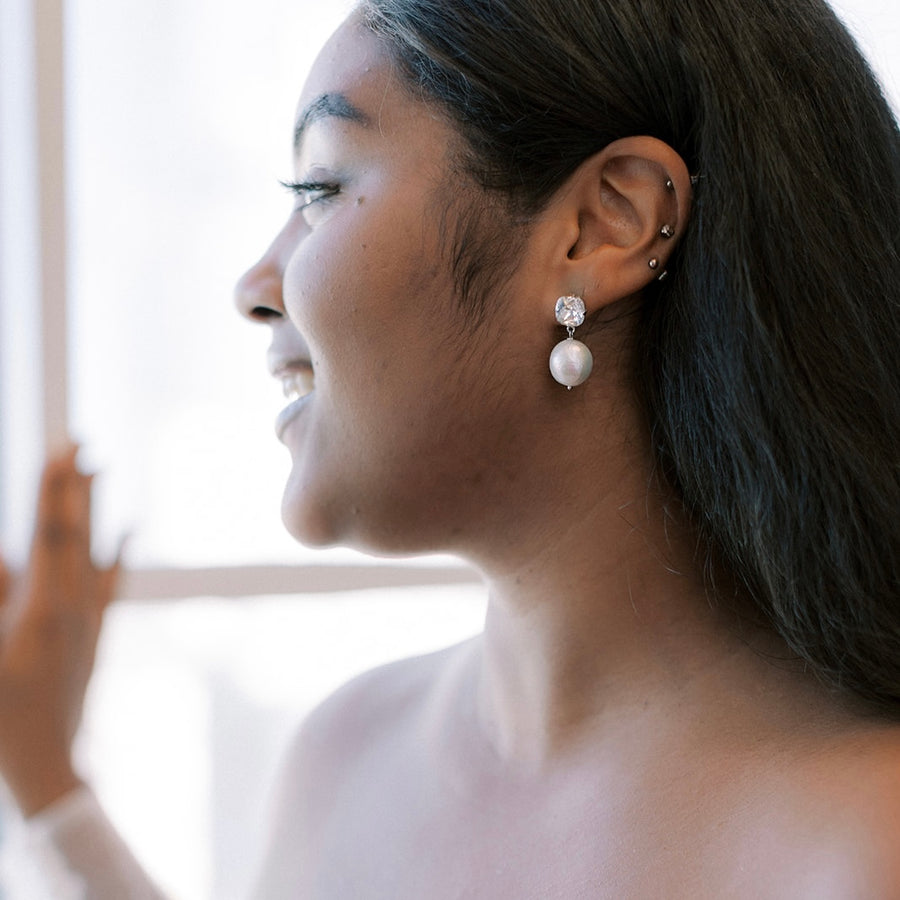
(258,294)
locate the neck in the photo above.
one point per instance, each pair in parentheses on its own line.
(599,617)
(573,636)
(594,615)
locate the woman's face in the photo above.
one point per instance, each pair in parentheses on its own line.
(410,422)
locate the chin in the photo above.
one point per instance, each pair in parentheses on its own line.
(319,525)
(321,509)
(305,516)
(318,531)
(320,522)
(309,533)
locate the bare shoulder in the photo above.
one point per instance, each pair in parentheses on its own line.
(338,759)
(869,789)
(817,817)
(851,804)
(368,711)
(375,699)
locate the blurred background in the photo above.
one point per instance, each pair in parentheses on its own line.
(140,150)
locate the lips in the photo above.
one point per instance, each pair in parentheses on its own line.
(297,383)
(289,363)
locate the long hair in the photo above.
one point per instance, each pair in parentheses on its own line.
(769,361)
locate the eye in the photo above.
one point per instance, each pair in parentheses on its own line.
(312,196)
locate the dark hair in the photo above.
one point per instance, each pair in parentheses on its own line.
(768,362)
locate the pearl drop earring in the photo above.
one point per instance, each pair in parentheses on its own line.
(570,360)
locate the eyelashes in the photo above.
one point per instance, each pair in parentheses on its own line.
(309,193)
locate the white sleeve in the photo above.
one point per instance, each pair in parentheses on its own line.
(71,851)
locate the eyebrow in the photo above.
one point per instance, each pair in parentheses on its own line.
(327,105)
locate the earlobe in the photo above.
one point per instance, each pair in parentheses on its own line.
(628,205)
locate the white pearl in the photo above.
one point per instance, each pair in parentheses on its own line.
(571,362)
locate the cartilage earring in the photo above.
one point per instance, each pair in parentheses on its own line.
(570,360)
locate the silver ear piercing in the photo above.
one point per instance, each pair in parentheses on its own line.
(667,232)
(570,360)
(695,180)
(654,264)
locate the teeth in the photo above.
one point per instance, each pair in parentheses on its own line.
(297,384)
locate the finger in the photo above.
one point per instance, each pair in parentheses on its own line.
(54,477)
(73,571)
(60,558)
(62,525)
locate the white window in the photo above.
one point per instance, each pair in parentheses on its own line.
(140,148)
(142,145)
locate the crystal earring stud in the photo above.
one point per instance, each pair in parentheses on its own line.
(570,360)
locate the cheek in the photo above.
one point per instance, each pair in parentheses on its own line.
(406,429)
(338,269)
(366,293)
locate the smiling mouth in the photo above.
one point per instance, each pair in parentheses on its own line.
(297,385)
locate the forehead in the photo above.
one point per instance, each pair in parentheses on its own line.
(349,62)
(354,78)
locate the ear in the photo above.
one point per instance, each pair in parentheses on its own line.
(619,217)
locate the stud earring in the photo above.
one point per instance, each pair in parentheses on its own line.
(653,263)
(669,185)
(667,231)
(570,360)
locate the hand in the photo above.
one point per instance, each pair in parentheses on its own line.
(52,619)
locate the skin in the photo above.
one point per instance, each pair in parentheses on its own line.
(51,622)
(612,733)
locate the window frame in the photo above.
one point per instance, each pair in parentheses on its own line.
(36,334)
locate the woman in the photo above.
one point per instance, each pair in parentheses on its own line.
(689,677)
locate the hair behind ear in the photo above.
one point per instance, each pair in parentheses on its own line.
(768,360)
(776,400)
